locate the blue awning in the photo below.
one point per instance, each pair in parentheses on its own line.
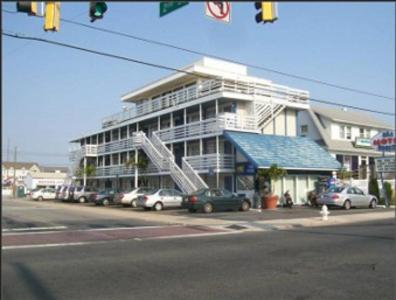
(299,153)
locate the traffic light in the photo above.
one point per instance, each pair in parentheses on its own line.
(268,12)
(28,7)
(97,10)
(52,16)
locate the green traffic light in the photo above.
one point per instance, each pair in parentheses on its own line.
(100,9)
(97,10)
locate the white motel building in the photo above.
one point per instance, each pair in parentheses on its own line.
(211,125)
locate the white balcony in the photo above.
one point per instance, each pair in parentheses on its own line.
(121,170)
(83,151)
(208,127)
(217,162)
(273,92)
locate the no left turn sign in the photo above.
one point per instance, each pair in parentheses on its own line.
(218,10)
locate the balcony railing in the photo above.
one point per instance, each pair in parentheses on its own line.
(206,88)
(202,163)
(123,170)
(193,130)
(208,127)
(86,150)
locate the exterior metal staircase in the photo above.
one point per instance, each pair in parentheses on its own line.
(266,112)
(187,179)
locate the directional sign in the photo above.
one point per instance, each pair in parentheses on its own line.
(167,7)
(218,10)
(385,164)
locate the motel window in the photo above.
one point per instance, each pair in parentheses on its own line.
(345,132)
(100,138)
(124,132)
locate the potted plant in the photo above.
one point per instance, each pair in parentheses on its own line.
(269,199)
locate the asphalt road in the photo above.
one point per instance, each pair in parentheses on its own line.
(21,213)
(347,262)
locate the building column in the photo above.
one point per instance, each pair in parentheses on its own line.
(136,160)
(200,120)
(85,174)
(217,147)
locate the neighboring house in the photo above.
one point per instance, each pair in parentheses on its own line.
(345,134)
(31,175)
(45,179)
(212,125)
(21,170)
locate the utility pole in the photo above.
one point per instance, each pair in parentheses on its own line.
(14,182)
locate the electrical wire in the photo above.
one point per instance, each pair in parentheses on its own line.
(151,41)
(163,66)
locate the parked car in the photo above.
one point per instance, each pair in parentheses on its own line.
(209,200)
(158,199)
(43,194)
(83,193)
(58,192)
(29,193)
(64,193)
(129,198)
(347,197)
(104,197)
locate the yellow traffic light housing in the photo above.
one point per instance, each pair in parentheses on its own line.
(268,12)
(52,16)
(28,7)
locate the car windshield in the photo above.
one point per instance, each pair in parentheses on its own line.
(79,188)
(335,189)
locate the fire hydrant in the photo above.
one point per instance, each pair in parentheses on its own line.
(324,212)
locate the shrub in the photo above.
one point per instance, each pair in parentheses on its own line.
(373,188)
(388,191)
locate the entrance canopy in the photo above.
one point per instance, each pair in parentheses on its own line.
(298,153)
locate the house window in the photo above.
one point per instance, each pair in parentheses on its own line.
(364,133)
(345,132)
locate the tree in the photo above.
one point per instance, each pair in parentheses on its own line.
(89,170)
(272,173)
(141,165)
(373,187)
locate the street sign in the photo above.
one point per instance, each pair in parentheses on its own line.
(218,10)
(167,7)
(385,164)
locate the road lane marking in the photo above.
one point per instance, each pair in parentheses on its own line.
(33,228)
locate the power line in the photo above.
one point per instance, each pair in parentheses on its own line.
(163,67)
(151,41)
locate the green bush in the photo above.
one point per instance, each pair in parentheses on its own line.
(373,188)
(388,190)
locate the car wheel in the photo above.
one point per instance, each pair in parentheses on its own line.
(192,210)
(373,203)
(347,204)
(245,206)
(106,202)
(208,208)
(158,206)
(40,198)
(82,199)
(133,203)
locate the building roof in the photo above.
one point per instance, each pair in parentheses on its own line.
(18,165)
(350,117)
(287,152)
(53,169)
(47,175)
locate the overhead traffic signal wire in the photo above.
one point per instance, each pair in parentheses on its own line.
(153,65)
(150,41)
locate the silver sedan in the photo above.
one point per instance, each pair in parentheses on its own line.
(347,197)
(160,198)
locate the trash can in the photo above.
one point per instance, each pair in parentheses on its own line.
(20,192)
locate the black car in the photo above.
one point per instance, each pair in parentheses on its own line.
(209,200)
(104,197)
